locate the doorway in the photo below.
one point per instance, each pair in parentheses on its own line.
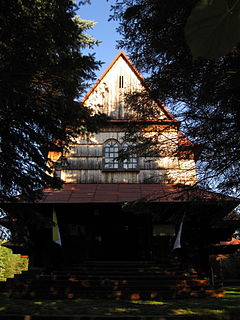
(118,237)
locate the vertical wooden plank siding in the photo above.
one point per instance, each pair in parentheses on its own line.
(85,157)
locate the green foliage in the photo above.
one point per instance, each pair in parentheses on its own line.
(11,264)
(43,71)
(213,28)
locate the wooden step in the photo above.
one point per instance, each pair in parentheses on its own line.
(118,280)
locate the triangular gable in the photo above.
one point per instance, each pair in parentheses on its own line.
(107,93)
(124,56)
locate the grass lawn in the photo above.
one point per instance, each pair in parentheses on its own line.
(227,307)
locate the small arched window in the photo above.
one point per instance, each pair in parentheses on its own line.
(131,162)
(111,154)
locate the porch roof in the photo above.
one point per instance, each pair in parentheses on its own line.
(123,192)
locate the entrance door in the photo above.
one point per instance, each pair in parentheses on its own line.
(119,238)
(162,241)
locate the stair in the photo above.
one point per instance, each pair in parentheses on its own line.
(132,280)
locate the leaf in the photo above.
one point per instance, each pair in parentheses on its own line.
(132,12)
(213,28)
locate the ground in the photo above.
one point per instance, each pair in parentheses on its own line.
(224,308)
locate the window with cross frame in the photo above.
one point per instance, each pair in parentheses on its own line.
(112,160)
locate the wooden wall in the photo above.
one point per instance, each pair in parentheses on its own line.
(85,163)
(108,98)
(85,157)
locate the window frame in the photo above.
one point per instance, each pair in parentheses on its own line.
(119,161)
(132,160)
(104,162)
(120,82)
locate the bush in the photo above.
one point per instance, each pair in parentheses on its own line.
(11,264)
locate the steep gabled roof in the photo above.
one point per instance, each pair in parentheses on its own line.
(138,75)
(124,56)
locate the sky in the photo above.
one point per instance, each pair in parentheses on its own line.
(104,31)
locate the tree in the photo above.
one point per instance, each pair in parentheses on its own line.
(212,29)
(43,72)
(203,93)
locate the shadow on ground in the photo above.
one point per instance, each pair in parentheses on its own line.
(224,308)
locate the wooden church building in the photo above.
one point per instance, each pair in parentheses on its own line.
(129,209)
(121,224)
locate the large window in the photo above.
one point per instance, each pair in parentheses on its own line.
(112,160)
(131,162)
(111,153)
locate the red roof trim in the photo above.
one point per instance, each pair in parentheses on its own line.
(121,54)
(184,141)
(146,121)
